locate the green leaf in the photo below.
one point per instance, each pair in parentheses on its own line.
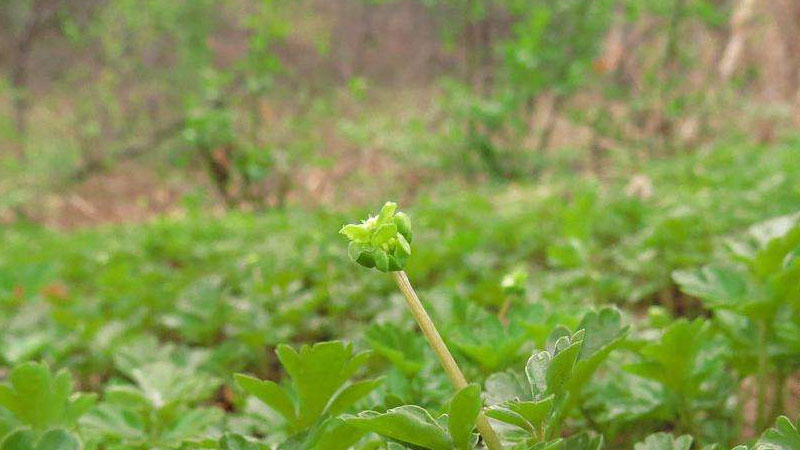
(603,333)
(561,365)
(270,394)
(403,247)
(504,414)
(387,212)
(383,234)
(351,394)
(403,224)
(191,425)
(785,435)
(232,441)
(317,373)
(356,233)
(583,441)
(404,349)
(114,421)
(664,441)
(506,386)
(409,424)
(23,439)
(58,440)
(381,260)
(55,439)
(673,359)
(39,399)
(717,287)
(464,409)
(335,434)
(535,412)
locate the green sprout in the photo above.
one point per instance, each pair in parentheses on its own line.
(513,285)
(384,242)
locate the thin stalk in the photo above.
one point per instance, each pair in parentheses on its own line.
(779,401)
(503,313)
(761,377)
(445,357)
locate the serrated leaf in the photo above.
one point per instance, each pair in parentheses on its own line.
(716,286)
(317,373)
(270,394)
(41,400)
(785,435)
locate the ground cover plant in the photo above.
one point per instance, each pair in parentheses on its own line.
(599,246)
(578,315)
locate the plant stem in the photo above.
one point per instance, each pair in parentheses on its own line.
(761,377)
(778,403)
(445,357)
(503,313)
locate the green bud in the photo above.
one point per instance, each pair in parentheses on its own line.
(514,282)
(382,241)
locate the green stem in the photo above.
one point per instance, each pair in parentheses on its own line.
(445,357)
(503,313)
(778,404)
(761,377)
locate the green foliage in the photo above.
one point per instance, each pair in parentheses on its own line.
(155,317)
(50,440)
(39,399)
(555,378)
(414,426)
(162,408)
(664,441)
(320,389)
(783,436)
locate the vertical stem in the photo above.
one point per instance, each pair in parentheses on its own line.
(778,403)
(503,313)
(445,357)
(761,377)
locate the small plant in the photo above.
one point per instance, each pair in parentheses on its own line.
(320,391)
(384,243)
(513,286)
(42,408)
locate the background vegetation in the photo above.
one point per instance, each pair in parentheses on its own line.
(611,184)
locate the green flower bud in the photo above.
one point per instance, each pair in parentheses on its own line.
(514,282)
(382,242)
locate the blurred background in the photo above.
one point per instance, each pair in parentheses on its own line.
(121,110)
